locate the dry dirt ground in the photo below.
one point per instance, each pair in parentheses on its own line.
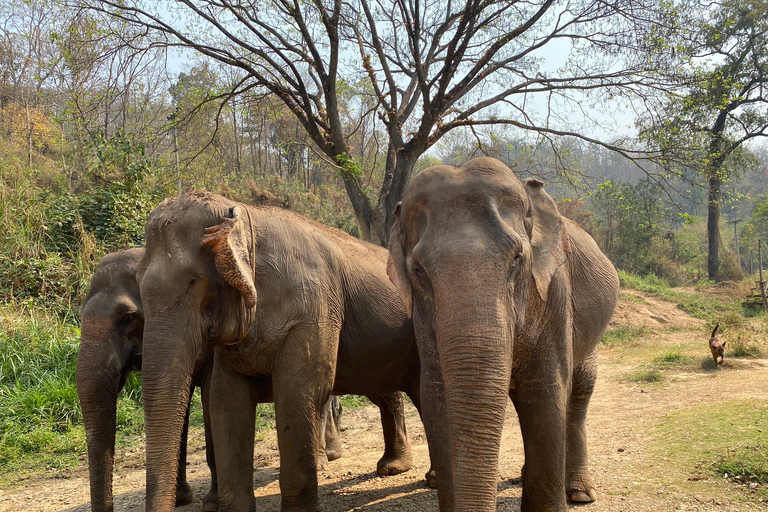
(629,474)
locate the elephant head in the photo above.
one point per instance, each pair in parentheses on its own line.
(110,348)
(473,252)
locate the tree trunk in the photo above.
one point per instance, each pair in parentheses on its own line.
(713,227)
(375,222)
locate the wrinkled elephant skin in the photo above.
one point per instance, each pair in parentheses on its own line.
(508,298)
(283,300)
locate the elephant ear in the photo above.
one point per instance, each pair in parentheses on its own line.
(396,269)
(229,243)
(549,238)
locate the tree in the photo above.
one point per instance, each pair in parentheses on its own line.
(430,67)
(721,65)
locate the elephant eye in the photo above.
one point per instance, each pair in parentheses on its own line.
(192,280)
(516,260)
(418,270)
(128,317)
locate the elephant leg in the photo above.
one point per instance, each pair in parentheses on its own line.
(541,409)
(330,445)
(233,416)
(397,448)
(302,380)
(184,494)
(210,500)
(579,485)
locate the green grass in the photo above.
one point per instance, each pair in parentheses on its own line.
(741,348)
(351,402)
(671,357)
(711,440)
(623,335)
(40,420)
(649,376)
(745,463)
(702,305)
(630,297)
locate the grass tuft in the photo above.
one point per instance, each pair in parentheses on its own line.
(742,348)
(744,464)
(645,376)
(623,335)
(671,357)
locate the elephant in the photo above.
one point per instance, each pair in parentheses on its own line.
(282,299)
(508,298)
(112,325)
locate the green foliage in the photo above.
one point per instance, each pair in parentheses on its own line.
(39,408)
(649,283)
(350,402)
(759,220)
(706,306)
(628,217)
(742,348)
(118,201)
(632,232)
(348,167)
(32,271)
(40,417)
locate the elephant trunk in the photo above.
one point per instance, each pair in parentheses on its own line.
(167,368)
(98,383)
(475,348)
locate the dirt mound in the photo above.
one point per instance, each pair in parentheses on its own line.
(636,309)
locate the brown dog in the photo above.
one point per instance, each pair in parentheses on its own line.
(717,348)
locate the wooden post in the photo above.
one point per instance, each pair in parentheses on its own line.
(736,240)
(762,283)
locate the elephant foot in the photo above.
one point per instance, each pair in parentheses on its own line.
(211,501)
(580,488)
(322,461)
(431,479)
(388,466)
(184,494)
(334,453)
(577,496)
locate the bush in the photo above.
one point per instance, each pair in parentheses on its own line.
(116,205)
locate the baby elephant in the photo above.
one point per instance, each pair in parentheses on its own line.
(716,347)
(112,328)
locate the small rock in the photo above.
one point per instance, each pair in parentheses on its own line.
(620,450)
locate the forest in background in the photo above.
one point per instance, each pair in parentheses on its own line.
(98,124)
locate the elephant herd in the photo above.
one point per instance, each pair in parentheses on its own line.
(485,293)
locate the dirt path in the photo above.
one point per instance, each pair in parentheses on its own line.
(622,417)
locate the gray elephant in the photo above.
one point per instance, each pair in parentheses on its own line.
(283,300)
(508,298)
(111,347)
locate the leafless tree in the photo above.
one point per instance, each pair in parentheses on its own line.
(430,66)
